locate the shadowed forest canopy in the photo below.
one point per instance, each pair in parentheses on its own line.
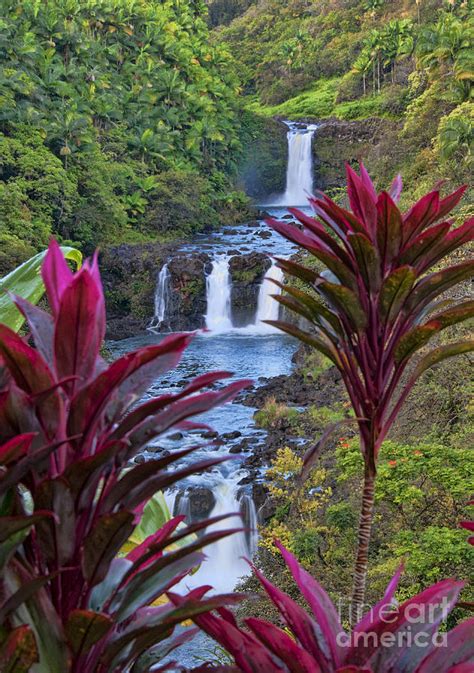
(105,106)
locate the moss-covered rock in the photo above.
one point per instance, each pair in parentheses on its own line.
(337,142)
(129,277)
(247,272)
(187,297)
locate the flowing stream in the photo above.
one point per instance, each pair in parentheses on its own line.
(256,351)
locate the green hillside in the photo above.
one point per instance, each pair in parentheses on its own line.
(410,61)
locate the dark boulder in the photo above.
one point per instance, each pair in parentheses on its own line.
(129,274)
(247,272)
(196,503)
(187,298)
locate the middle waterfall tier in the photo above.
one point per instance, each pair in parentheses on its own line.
(218,290)
(223,293)
(219,300)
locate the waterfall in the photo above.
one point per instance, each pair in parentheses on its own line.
(225,563)
(299,174)
(161,296)
(249,517)
(267,307)
(218,288)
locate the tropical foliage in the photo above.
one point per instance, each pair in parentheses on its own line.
(315,641)
(69,602)
(101,104)
(26,282)
(378,303)
(409,62)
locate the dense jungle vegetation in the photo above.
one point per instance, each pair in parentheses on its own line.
(126,121)
(118,122)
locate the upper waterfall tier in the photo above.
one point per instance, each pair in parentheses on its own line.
(299,174)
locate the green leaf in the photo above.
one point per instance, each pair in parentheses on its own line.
(104,542)
(85,628)
(454,315)
(419,336)
(298,271)
(14,524)
(26,282)
(439,354)
(155,515)
(413,340)
(346,302)
(367,260)
(435,284)
(316,307)
(311,339)
(395,290)
(24,593)
(19,652)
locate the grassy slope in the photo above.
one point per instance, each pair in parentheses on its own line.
(319,101)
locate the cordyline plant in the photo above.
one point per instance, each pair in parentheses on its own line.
(390,638)
(69,603)
(378,304)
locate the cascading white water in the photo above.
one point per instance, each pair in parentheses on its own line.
(249,514)
(267,307)
(225,560)
(161,296)
(218,288)
(299,174)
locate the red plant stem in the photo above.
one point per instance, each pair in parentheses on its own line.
(364,535)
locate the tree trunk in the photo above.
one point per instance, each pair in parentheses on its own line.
(362,559)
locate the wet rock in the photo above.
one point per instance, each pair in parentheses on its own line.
(235,449)
(176,436)
(337,142)
(230,232)
(287,217)
(266,511)
(159,449)
(232,435)
(233,252)
(247,272)
(187,298)
(264,233)
(129,275)
(196,503)
(210,434)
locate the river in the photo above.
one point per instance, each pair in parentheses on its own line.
(255,351)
